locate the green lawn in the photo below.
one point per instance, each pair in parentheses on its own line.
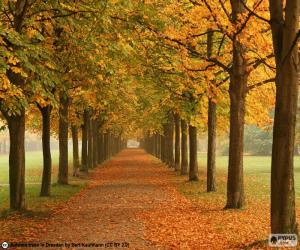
(257,170)
(34,166)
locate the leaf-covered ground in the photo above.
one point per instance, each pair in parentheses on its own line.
(135,199)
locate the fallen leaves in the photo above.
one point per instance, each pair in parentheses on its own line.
(134,198)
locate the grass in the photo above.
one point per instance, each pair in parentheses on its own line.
(33,175)
(34,165)
(257,173)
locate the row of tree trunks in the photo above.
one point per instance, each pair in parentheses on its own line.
(162,146)
(99,151)
(97,146)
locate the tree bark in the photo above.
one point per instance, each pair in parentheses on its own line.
(95,142)
(90,143)
(106,145)
(63,141)
(100,148)
(164,145)
(75,150)
(285,28)
(47,161)
(16,126)
(193,174)
(169,142)
(109,143)
(211,147)
(237,92)
(184,149)
(162,148)
(84,148)
(177,142)
(158,146)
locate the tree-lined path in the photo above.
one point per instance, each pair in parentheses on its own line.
(105,211)
(112,208)
(182,79)
(134,198)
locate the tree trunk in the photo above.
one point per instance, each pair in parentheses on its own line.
(16,126)
(95,142)
(100,148)
(90,143)
(237,92)
(177,142)
(170,142)
(162,148)
(75,150)
(63,141)
(184,149)
(47,162)
(84,148)
(211,147)
(164,152)
(158,146)
(193,174)
(106,145)
(285,27)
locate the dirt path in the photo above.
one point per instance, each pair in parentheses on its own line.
(108,211)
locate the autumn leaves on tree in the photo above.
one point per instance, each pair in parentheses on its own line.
(240,50)
(162,71)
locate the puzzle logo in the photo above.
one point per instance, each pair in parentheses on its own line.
(283,240)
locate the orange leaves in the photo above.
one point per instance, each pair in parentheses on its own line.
(12,60)
(177,223)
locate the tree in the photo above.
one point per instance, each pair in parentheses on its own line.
(84,148)
(211,149)
(47,161)
(285,32)
(184,149)
(177,142)
(212,126)
(193,171)
(74,130)
(63,140)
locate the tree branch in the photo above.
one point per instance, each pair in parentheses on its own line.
(256,85)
